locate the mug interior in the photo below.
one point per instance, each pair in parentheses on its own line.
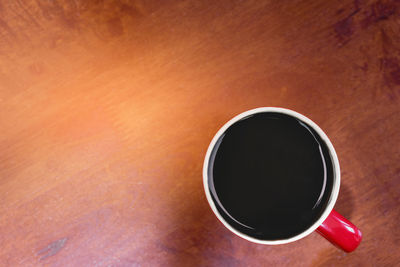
(332,153)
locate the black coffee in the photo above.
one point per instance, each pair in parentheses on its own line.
(270,176)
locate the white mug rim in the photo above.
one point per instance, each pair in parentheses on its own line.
(335,163)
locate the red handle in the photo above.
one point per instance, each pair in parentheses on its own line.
(340,232)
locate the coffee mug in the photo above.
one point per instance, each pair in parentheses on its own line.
(272,176)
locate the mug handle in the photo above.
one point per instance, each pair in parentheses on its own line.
(340,232)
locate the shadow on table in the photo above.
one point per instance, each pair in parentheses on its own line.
(199,239)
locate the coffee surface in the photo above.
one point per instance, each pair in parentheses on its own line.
(270,176)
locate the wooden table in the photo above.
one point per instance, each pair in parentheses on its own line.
(107,109)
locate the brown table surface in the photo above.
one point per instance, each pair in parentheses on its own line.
(107,109)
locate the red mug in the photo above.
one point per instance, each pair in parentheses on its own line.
(331,225)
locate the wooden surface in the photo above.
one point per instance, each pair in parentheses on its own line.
(107,109)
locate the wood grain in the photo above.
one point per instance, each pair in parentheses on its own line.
(107,109)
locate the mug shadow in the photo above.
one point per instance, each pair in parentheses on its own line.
(199,239)
(345,202)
